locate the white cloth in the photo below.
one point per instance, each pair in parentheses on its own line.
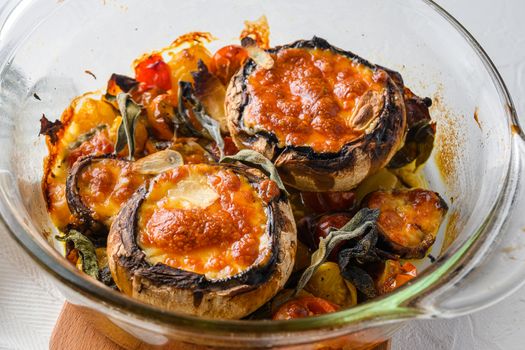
(29,303)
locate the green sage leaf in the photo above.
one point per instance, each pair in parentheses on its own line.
(418,146)
(130,112)
(257,160)
(86,249)
(363,220)
(110,98)
(211,128)
(86,136)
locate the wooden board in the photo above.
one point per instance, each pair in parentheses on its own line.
(79,328)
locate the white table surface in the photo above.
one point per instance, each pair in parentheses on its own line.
(30,304)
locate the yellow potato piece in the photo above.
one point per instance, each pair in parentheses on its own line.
(302,257)
(186,61)
(382,180)
(327,283)
(411,176)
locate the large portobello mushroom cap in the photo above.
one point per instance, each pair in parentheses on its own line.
(216,241)
(326,117)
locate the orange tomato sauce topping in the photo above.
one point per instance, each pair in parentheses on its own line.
(308,96)
(203,219)
(105,186)
(407,217)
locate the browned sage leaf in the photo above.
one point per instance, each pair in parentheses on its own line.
(50,128)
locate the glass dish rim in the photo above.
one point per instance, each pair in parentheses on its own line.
(388,307)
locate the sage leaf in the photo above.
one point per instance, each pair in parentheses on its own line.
(86,249)
(418,146)
(122,82)
(211,92)
(257,160)
(360,279)
(86,136)
(364,251)
(50,128)
(211,128)
(130,112)
(363,220)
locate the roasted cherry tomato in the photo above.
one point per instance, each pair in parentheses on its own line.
(153,72)
(160,111)
(227,61)
(310,230)
(328,222)
(394,275)
(229,146)
(304,307)
(322,202)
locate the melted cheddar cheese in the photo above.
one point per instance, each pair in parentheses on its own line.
(309,97)
(204,219)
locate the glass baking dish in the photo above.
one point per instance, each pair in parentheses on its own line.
(478,163)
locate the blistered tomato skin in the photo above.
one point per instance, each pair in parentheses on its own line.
(328,223)
(304,307)
(311,230)
(229,146)
(395,275)
(153,72)
(227,61)
(268,190)
(322,202)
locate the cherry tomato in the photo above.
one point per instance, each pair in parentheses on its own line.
(160,111)
(394,275)
(268,190)
(229,146)
(153,72)
(310,230)
(321,202)
(328,222)
(227,61)
(304,307)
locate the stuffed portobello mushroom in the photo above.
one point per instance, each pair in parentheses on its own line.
(326,117)
(97,187)
(170,186)
(216,241)
(409,220)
